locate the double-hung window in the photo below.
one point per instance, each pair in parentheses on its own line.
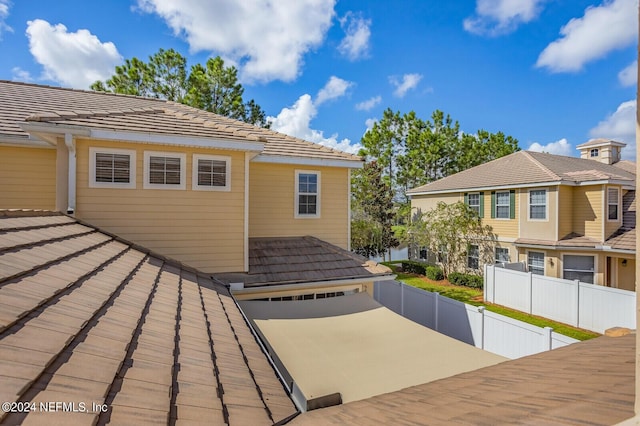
(211,173)
(535,262)
(613,204)
(112,168)
(538,204)
(164,170)
(503,203)
(307,202)
(502,255)
(473,200)
(473,257)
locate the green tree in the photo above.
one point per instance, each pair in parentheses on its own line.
(372,212)
(213,87)
(450,230)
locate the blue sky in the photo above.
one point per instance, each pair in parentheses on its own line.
(553,74)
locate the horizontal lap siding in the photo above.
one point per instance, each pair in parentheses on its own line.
(27,178)
(272,201)
(587,210)
(203,229)
(565,210)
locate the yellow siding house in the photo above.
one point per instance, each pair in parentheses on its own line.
(191,185)
(564,217)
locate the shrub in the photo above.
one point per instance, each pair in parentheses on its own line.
(467,280)
(413,267)
(434,273)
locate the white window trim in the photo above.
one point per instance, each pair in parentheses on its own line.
(495,213)
(92,168)
(544,260)
(618,203)
(546,212)
(296,215)
(194,173)
(183,172)
(471,206)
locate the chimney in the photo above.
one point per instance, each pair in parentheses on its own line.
(605,151)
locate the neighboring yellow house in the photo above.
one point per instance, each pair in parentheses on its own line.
(563,217)
(190,185)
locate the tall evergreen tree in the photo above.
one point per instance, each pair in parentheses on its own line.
(213,87)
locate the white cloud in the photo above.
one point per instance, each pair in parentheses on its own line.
(497,17)
(408,82)
(20,75)
(335,88)
(355,44)
(629,75)
(561,147)
(73,59)
(620,126)
(612,25)
(369,103)
(268,39)
(369,122)
(296,121)
(4,14)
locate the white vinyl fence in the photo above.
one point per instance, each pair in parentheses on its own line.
(589,306)
(470,324)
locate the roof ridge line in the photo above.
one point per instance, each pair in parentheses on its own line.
(541,166)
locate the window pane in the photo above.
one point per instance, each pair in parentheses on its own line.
(538,197)
(613,212)
(502,254)
(535,262)
(112,168)
(472,257)
(307,204)
(212,172)
(585,277)
(164,170)
(612,201)
(584,263)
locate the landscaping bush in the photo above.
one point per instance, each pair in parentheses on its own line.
(434,273)
(412,267)
(466,280)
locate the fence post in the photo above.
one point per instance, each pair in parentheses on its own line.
(493,284)
(481,310)
(435,310)
(547,343)
(577,284)
(402,298)
(530,295)
(486,281)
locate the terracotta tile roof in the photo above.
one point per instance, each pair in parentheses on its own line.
(526,167)
(288,260)
(572,385)
(20,103)
(87,317)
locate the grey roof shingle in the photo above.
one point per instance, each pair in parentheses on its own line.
(527,167)
(572,385)
(20,103)
(87,317)
(288,260)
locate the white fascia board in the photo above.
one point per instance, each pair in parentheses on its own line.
(308,161)
(47,131)
(177,140)
(314,284)
(22,142)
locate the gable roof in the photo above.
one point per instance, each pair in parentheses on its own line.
(527,168)
(87,317)
(292,260)
(31,106)
(572,385)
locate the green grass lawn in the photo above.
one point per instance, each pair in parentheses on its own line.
(474,297)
